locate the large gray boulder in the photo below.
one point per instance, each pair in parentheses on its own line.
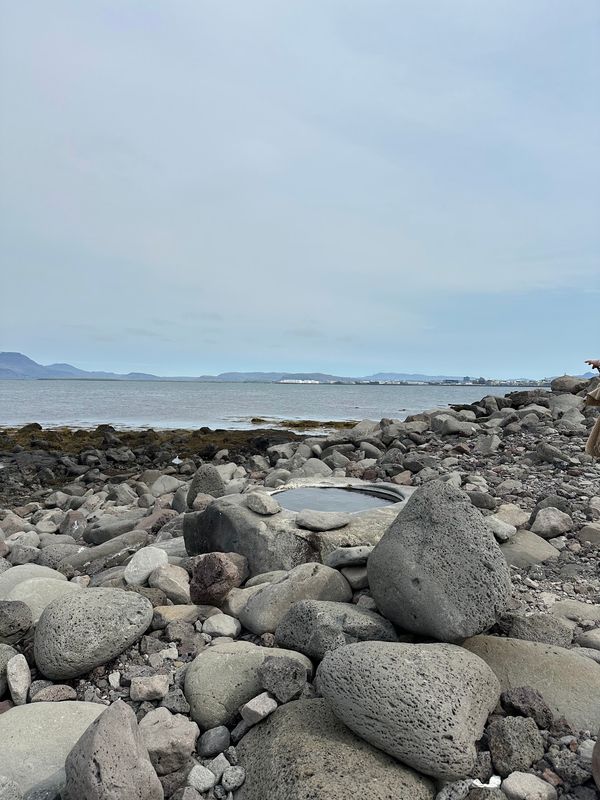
(264,610)
(302,752)
(438,570)
(425,705)
(110,761)
(314,627)
(80,631)
(224,677)
(569,683)
(36,739)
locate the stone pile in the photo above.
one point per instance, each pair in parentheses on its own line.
(168,630)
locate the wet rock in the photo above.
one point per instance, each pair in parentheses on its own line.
(80,631)
(110,761)
(425,705)
(438,571)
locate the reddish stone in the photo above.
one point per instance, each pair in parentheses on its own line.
(214,575)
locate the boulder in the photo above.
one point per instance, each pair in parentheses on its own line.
(329,761)
(262,503)
(438,570)
(110,761)
(314,627)
(37,738)
(15,575)
(551,522)
(207,480)
(214,575)
(569,683)
(265,609)
(174,581)
(37,593)
(225,676)
(515,743)
(80,631)
(425,705)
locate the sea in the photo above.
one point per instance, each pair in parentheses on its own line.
(191,405)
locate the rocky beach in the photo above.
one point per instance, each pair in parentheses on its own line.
(172,626)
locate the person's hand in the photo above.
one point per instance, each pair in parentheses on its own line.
(594,363)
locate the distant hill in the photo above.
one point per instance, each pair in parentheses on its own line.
(16,366)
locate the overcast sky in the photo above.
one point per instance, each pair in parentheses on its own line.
(349,186)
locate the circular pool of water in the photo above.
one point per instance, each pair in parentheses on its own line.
(324,498)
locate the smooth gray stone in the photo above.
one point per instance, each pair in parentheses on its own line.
(264,610)
(15,575)
(569,683)
(37,737)
(424,704)
(6,653)
(322,520)
(80,631)
(225,676)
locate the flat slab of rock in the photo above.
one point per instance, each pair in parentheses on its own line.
(569,683)
(424,704)
(225,676)
(15,575)
(525,549)
(80,631)
(37,738)
(438,571)
(314,627)
(328,761)
(262,503)
(264,610)
(322,520)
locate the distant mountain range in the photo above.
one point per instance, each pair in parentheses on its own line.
(16,366)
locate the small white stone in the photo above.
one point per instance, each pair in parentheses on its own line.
(201,779)
(525,786)
(152,687)
(222,625)
(258,708)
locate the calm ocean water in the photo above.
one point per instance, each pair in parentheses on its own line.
(136,404)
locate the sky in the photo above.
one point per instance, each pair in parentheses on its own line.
(350,186)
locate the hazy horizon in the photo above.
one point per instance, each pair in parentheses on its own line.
(343,187)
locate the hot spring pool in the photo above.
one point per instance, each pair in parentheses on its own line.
(323,498)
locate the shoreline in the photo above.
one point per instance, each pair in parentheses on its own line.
(497,509)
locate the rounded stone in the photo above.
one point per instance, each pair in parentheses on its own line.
(38,593)
(569,683)
(37,737)
(15,575)
(80,631)
(425,705)
(6,653)
(438,570)
(224,677)
(143,564)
